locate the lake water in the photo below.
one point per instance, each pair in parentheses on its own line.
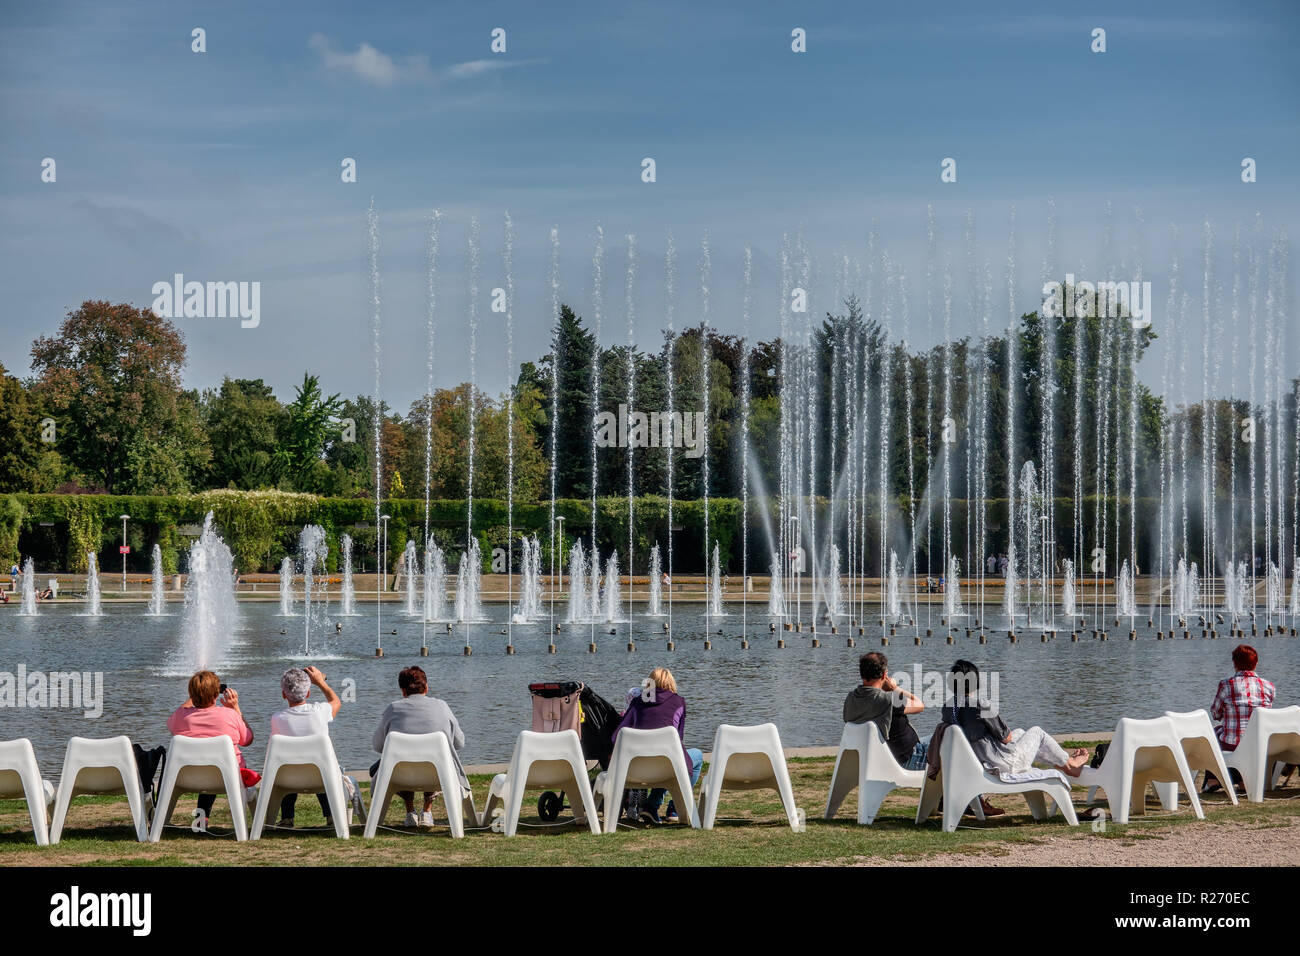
(1060,685)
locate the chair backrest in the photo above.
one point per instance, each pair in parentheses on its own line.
(413,758)
(956,755)
(549,755)
(1191,723)
(17,757)
(650,752)
(747,749)
(303,761)
(199,761)
(105,765)
(1148,743)
(1281,725)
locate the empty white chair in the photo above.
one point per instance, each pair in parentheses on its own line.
(542,761)
(20,777)
(746,758)
(301,765)
(962,779)
(1140,752)
(645,759)
(1202,751)
(865,761)
(1271,737)
(419,762)
(100,766)
(200,765)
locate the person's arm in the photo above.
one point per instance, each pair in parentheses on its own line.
(457,735)
(381,732)
(1216,708)
(316,677)
(230,700)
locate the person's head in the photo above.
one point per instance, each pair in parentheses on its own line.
(963,680)
(412,680)
(295,685)
(873,667)
(204,688)
(663,679)
(1244,657)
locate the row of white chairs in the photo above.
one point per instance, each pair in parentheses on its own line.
(1164,752)
(744,758)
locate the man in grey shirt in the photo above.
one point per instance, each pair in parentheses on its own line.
(418,713)
(868,701)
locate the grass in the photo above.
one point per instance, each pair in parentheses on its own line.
(751,830)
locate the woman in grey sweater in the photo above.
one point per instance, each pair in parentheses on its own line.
(418,713)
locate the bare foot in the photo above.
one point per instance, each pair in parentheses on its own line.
(1078,760)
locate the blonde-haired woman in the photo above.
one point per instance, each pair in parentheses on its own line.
(657,704)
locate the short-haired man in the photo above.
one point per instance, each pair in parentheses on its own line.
(305,719)
(418,713)
(869,701)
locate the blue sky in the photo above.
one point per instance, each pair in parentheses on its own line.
(225,165)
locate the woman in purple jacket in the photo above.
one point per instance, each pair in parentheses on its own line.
(659,705)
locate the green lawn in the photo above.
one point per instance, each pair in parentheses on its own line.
(751,830)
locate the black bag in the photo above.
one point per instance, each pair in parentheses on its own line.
(148,763)
(599,718)
(1098,755)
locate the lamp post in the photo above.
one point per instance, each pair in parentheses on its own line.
(125,519)
(560,519)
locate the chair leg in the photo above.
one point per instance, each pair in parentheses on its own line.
(379,800)
(870,796)
(235,797)
(339,804)
(787,793)
(135,800)
(36,809)
(843,780)
(266,796)
(166,802)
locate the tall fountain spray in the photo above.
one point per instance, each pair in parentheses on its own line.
(1125,600)
(579,580)
(348,599)
(715,585)
(530,584)
(312,552)
(29,589)
(211,614)
(834,585)
(952,590)
(468,580)
(92,586)
(613,592)
(776,590)
(435,582)
(655,607)
(411,573)
(156,599)
(286,587)
(1069,597)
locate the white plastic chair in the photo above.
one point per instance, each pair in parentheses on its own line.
(1271,737)
(20,777)
(1140,752)
(200,765)
(746,758)
(419,762)
(301,765)
(645,759)
(866,762)
(104,765)
(1202,751)
(543,762)
(963,779)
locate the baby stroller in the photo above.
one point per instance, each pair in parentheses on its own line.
(572,705)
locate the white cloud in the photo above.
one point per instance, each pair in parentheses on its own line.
(370,64)
(472,68)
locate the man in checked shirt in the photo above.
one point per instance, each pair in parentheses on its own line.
(1235,700)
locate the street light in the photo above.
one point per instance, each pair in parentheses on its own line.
(124,550)
(560,519)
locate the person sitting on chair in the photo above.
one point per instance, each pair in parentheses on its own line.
(418,713)
(1234,702)
(869,701)
(200,716)
(658,705)
(1000,749)
(303,719)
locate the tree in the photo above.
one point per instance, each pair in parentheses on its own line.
(26,463)
(309,428)
(244,420)
(111,379)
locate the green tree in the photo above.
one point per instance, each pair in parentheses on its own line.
(308,430)
(111,379)
(244,420)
